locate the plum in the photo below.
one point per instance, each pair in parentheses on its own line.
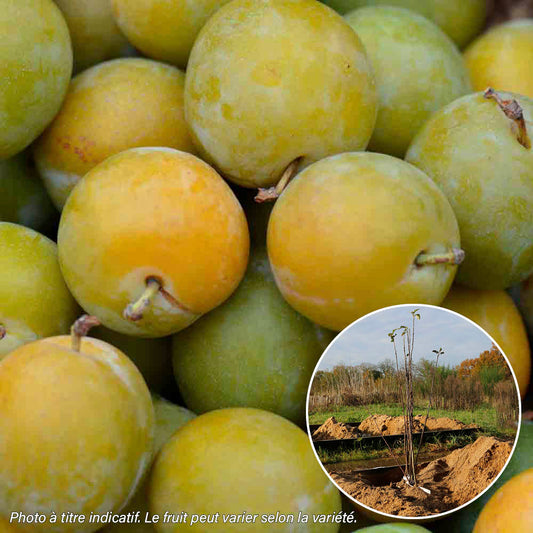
(360,231)
(418,70)
(480,156)
(34,300)
(23,198)
(76,430)
(164,30)
(241,460)
(263,91)
(252,351)
(150,240)
(501,58)
(116,105)
(497,314)
(94,32)
(461,20)
(509,506)
(35,69)
(168,419)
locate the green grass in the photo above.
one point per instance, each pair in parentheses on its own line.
(484,416)
(361,453)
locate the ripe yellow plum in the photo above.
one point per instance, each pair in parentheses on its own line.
(263,89)
(360,231)
(509,509)
(76,430)
(150,240)
(35,69)
(277,473)
(501,58)
(34,300)
(418,70)
(163,30)
(483,162)
(252,351)
(497,314)
(94,32)
(461,20)
(113,106)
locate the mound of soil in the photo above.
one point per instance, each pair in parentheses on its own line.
(453,480)
(331,429)
(393,425)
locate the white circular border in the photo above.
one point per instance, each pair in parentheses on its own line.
(431,517)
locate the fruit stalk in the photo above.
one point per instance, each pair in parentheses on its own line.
(3,331)
(272,193)
(135,311)
(512,110)
(455,257)
(80,328)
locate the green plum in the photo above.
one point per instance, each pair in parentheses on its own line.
(482,161)
(418,70)
(241,461)
(34,300)
(461,20)
(252,351)
(35,69)
(463,521)
(153,357)
(23,198)
(263,92)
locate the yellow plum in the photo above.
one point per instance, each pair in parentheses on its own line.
(113,106)
(150,240)
(360,231)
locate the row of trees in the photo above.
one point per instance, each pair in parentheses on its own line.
(466,386)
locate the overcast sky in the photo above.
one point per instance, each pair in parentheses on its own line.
(367,341)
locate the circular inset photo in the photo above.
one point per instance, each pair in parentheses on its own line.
(413,411)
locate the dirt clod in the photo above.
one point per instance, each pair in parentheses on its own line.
(394,425)
(331,429)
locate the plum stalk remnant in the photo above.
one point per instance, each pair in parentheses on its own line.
(272,193)
(512,110)
(135,311)
(455,257)
(3,331)
(80,328)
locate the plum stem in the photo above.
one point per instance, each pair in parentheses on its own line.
(135,311)
(512,110)
(3,331)
(80,328)
(455,257)
(272,193)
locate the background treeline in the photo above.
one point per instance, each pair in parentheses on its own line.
(483,380)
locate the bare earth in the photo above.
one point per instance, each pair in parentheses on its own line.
(331,429)
(394,425)
(453,480)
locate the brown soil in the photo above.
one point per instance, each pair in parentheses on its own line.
(453,480)
(393,425)
(331,429)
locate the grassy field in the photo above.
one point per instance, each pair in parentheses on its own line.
(364,454)
(484,416)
